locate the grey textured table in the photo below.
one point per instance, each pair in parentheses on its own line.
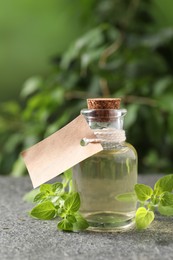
(23,238)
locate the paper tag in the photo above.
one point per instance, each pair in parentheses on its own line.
(59,152)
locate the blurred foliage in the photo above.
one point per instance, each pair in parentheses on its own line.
(33,31)
(122,55)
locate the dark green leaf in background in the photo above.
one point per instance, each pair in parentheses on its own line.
(123,53)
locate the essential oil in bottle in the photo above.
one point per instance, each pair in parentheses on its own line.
(105,181)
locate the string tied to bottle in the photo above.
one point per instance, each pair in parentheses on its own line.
(105,135)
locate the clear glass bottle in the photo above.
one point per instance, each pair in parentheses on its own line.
(106,180)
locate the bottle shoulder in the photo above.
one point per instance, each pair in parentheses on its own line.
(117,149)
(131,150)
(130,146)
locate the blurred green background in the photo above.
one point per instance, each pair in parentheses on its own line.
(55,54)
(31,33)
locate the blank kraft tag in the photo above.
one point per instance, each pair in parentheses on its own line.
(59,152)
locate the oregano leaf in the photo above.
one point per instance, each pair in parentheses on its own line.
(164,184)
(46,188)
(40,197)
(71,218)
(143,218)
(45,210)
(165,206)
(143,192)
(72,203)
(29,196)
(80,224)
(68,174)
(57,187)
(66,178)
(65,225)
(165,210)
(166,199)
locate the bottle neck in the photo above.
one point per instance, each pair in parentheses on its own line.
(104,118)
(107,125)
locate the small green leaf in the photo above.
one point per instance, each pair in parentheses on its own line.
(65,225)
(39,197)
(64,196)
(127,197)
(72,203)
(45,211)
(46,188)
(167,199)
(165,210)
(143,218)
(61,212)
(29,197)
(68,174)
(164,184)
(66,177)
(165,206)
(57,187)
(31,85)
(143,192)
(80,224)
(70,186)
(71,218)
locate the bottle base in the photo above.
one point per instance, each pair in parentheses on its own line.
(110,222)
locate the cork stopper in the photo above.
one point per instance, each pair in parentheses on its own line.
(103,103)
(103,109)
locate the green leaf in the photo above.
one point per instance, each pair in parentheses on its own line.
(80,224)
(40,197)
(30,86)
(29,196)
(45,211)
(70,185)
(61,212)
(143,192)
(57,187)
(143,218)
(90,56)
(166,199)
(68,174)
(46,188)
(89,41)
(18,168)
(65,225)
(165,206)
(164,184)
(64,196)
(66,177)
(165,210)
(71,218)
(127,197)
(72,203)
(132,115)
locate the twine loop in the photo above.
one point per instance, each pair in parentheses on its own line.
(106,135)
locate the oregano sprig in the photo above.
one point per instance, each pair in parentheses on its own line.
(58,200)
(160,198)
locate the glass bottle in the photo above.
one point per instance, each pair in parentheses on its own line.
(106,180)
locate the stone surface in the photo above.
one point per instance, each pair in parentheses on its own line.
(23,238)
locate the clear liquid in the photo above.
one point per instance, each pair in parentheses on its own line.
(99,180)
